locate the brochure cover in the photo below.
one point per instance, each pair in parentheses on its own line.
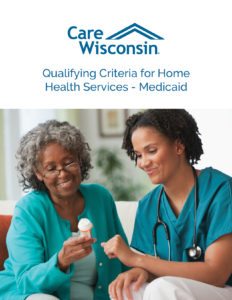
(80,69)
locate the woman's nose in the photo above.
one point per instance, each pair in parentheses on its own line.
(144,162)
(62,172)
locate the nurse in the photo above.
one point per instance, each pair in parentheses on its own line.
(183,228)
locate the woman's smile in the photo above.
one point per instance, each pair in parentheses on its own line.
(151,171)
(62,175)
(65,184)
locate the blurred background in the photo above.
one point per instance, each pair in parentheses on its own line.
(103,130)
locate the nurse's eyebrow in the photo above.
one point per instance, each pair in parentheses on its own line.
(146,147)
(149,146)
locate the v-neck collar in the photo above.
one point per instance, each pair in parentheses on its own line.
(187,208)
(188,205)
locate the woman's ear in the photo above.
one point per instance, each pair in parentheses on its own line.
(38,175)
(180,147)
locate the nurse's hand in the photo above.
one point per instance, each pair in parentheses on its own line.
(126,282)
(116,247)
(74,249)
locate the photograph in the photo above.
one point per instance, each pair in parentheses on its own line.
(111,122)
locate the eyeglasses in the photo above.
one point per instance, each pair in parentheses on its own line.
(53,173)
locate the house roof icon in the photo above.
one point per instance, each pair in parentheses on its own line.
(134,28)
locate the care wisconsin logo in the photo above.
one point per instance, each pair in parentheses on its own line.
(92,41)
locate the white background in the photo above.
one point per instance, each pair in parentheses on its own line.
(34,36)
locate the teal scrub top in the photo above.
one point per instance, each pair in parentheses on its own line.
(213,218)
(36,235)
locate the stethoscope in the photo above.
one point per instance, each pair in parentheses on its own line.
(193,252)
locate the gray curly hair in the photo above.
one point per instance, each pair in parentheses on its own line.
(43,134)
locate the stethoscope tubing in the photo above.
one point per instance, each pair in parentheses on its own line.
(160,222)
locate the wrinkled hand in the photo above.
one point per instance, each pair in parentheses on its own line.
(74,249)
(123,283)
(116,247)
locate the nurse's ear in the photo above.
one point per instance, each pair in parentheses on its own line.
(180,147)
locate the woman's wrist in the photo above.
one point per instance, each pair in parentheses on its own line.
(60,265)
(64,269)
(140,260)
(137,260)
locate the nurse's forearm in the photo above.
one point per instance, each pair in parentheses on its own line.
(200,271)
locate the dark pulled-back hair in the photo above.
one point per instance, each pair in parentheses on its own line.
(175,124)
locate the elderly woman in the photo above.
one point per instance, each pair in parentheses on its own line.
(45,261)
(186,220)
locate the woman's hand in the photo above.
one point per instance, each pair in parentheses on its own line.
(123,283)
(116,247)
(74,249)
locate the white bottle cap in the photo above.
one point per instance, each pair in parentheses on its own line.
(85,225)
